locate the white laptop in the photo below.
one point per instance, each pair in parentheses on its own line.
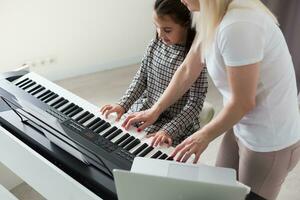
(168,180)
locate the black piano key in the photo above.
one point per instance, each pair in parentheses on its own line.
(25,83)
(170,158)
(121,139)
(43,94)
(140,149)
(38,90)
(132,144)
(102,127)
(22,81)
(97,125)
(51,98)
(47,96)
(148,150)
(109,131)
(71,110)
(82,115)
(114,134)
(85,119)
(127,141)
(156,155)
(75,112)
(71,105)
(60,104)
(89,125)
(57,101)
(163,157)
(29,85)
(35,88)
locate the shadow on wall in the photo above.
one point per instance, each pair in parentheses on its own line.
(288,16)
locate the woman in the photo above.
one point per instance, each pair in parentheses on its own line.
(248,59)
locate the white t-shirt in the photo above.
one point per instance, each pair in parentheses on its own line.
(247,36)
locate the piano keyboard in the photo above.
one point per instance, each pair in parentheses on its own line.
(65,105)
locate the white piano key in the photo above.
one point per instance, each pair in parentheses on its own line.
(92,109)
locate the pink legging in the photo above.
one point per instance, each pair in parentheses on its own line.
(264,172)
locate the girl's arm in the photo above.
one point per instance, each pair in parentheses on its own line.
(138,84)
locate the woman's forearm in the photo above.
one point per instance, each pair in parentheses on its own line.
(231,114)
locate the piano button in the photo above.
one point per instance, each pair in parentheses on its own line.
(25,83)
(97,125)
(163,157)
(146,151)
(75,112)
(93,122)
(29,85)
(71,110)
(114,134)
(38,91)
(89,116)
(132,144)
(102,128)
(22,81)
(60,104)
(121,139)
(71,105)
(43,94)
(51,98)
(109,131)
(157,154)
(47,96)
(34,88)
(85,113)
(139,149)
(57,101)
(127,141)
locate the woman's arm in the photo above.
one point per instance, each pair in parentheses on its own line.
(182,80)
(243,83)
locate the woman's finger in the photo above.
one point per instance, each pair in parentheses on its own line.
(144,125)
(183,152)
(197,156)
(124,124)
(179,147)
(187,155)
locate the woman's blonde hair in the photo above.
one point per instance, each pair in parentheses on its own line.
(211,14)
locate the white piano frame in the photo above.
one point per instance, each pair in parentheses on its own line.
(51,182)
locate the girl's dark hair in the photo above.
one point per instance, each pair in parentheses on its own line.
(180,14)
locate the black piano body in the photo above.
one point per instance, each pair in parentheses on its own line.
(93,157)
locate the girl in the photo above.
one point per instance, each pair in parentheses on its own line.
(163,56)
(249,62)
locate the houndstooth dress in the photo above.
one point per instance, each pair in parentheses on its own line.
(159,64)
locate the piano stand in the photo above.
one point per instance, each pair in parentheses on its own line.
(39,173)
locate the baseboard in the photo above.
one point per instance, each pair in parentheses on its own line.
(54,75)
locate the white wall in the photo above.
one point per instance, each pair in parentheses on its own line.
(82,36)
